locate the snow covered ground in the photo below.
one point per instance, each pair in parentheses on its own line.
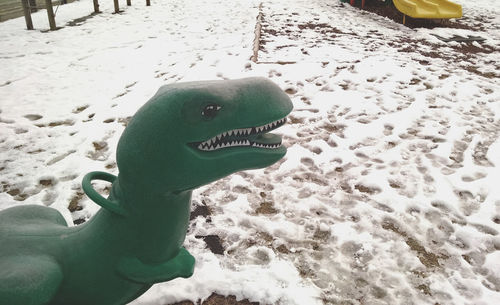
(388,193)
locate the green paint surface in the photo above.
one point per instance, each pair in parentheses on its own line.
(187,135)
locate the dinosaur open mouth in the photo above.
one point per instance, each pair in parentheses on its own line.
(244,137)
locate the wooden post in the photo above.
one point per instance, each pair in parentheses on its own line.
(148,3)
(50,14)
(129,2)
(117,6)
(27,15)
(404,19)
(96,6)
(33,7)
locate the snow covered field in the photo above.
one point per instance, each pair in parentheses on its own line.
(388,193)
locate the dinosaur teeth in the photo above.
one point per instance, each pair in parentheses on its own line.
(249,131)
(236,143)
(223,139)
(269,126)
(269,146)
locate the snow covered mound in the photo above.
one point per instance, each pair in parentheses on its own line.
(388,193)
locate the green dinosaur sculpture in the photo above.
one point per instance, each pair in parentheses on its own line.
(187,135)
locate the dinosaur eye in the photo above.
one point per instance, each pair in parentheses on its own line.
(210,111)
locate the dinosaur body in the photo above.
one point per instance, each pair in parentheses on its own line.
(187,135)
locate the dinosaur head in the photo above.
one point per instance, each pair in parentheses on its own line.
(190,134)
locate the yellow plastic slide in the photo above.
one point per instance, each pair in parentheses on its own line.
(439,9)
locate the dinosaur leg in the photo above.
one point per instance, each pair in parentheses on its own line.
(28,280)
(140,292)
(180,266)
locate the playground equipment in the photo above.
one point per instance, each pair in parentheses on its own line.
(429,9)
(187,135)
(435,9)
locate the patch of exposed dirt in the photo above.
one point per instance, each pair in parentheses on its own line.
(57,123)
(266,207)
(201,210)
(293,30)
(80,109)
(213,242)
(323,28)
(475,70)
(16,193)
(100,149)
(367,189)
(428,259)
(463,52)
(283,249)
(47,182)
(466,54)
(79,221)
(217,299)
(74,204)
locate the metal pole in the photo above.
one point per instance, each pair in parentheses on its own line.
(96,6)
(27,14)
(50,14)
(117,6)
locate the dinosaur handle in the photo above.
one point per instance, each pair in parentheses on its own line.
(96,197)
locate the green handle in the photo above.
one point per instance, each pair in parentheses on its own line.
(96,197)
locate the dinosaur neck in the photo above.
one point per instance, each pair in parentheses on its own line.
(156,224)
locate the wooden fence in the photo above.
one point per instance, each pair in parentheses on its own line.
(16,8)
(13,8)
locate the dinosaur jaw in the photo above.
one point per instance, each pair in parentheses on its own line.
(252,137)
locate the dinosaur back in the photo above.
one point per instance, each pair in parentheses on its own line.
(19,226)
(30,214)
